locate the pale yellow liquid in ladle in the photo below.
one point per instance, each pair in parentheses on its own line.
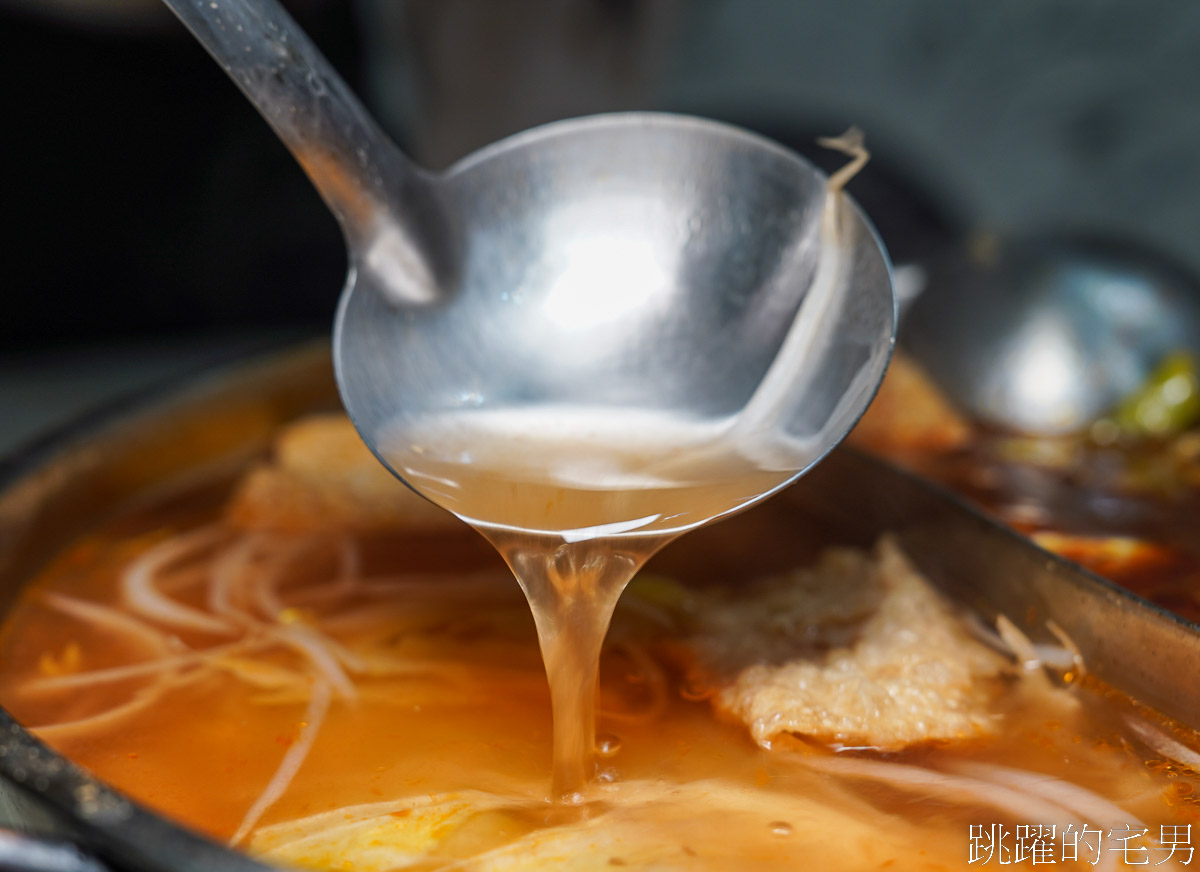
(576,501)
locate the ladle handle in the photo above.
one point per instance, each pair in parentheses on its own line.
(358,171)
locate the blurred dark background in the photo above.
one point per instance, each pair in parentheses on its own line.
(154,222)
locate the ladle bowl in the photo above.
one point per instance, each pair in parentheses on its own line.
(632,263)
(619,263)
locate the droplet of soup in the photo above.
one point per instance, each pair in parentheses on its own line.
(780,828)
(607,745)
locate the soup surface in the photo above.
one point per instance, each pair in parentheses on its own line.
(1117,497)
(331,677)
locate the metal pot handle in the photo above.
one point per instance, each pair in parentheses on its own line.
(21,852)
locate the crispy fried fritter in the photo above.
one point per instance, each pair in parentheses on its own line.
(856,651)
(322,477)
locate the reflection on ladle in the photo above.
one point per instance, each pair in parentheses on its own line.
(579,443)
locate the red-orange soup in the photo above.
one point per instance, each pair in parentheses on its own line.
(435,753)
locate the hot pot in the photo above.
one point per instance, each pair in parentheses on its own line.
(62,819)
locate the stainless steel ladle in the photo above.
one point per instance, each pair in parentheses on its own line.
(1045,335)
(620,262)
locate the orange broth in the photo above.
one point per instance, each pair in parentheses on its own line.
(203,753)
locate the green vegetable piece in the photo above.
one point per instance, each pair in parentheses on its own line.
(1167,404)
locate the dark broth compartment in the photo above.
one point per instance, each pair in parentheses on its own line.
(109,465)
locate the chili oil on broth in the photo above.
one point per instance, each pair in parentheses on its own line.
(463,721)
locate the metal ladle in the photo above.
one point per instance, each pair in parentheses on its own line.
(621,262)
(1045,335)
